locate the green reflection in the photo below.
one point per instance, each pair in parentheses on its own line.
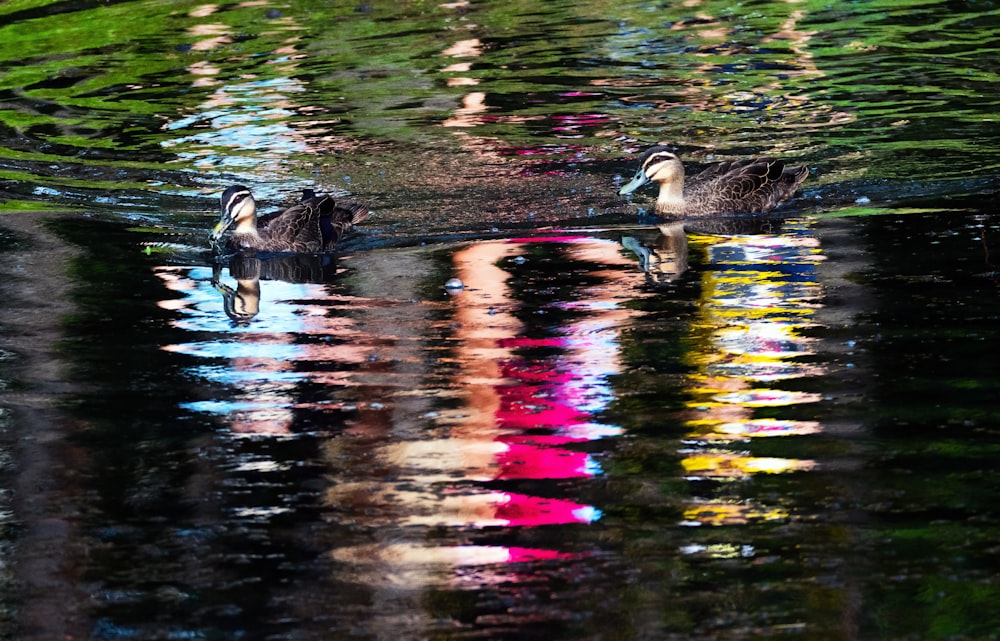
(860,90)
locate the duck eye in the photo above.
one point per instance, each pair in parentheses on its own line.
(236,199)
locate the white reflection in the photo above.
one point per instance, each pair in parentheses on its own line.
(240,125)
(258,363)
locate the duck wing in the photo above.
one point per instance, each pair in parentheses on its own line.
(336,218)
(296,229)
(314,224)
(743,186)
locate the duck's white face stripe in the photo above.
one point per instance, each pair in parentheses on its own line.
(234,200)
(651,166)
(658,164)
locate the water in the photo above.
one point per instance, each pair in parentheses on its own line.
(613,429)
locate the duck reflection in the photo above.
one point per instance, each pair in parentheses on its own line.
(280,312)
(242,303)
(664,258)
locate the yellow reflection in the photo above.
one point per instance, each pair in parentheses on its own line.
(750,428)
(759,296)
(708,464)
(719,513)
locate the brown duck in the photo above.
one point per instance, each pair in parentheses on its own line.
(733,187)
(315,224)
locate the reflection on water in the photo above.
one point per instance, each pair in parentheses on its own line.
(263,350)
(464,432)
(760,295)
(328,448)
(638,434)
(246,122)
(468,426)
(150,110)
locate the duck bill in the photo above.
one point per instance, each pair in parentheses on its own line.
(639,180)
(220,229)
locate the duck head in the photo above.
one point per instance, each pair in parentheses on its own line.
(659,165)
(238,208)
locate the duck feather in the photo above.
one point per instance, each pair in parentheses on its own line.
(315,224)
(732,187)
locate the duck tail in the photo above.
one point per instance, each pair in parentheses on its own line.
(358,212)
(796,175)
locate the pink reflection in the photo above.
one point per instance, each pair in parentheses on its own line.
(541,457)
(519,510)
(528,403)
(542,397)
(554,394)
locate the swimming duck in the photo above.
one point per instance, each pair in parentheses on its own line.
(314,224)
(733,187)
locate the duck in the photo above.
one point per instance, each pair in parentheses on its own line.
(752,186)
(315,224)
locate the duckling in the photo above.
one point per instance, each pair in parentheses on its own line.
(733,187)
(315,224)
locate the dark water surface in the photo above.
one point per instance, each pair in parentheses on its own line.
(786,428)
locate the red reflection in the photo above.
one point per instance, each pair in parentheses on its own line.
(534,401)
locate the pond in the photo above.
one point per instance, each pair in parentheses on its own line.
(609,426)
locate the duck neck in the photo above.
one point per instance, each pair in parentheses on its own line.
(246,236)
(671,197)
(247,227)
